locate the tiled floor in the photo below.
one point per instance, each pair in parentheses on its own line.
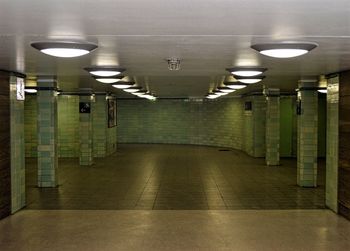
(271,230)
(175,177)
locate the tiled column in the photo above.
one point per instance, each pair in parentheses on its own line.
(99,113)
(307,133)
(332,143)
(47,132)
(272,127)
(85,129)
(17,145)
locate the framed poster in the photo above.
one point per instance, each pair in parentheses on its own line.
(112,113)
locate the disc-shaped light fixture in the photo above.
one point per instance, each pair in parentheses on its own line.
(246,71)
(322,90)
(104,71)
(225,89)
(219,92)
(133,89)
(235,85)
(64,49)
(109,80)
(140,92)
(212,95)
(123,84)
(284,49)
(30,90)
(249,80)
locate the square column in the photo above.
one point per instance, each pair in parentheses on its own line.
(272,127)
(332,143)
(307,109)
(47,132)
(17,143)
(85,126)
(99,112)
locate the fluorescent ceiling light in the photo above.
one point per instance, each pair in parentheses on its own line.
(226,89)
(133,89)
(30,90)
(64,49)
(284,49)
(250,80)
(109,80)
(123,85)
(234,85)
(322,90)
(220,93)
(246,71)
(104,71)
(212,96)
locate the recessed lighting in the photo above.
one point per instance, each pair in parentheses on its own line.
(104,71)
(220,93)
(226,89)
(234,85)
(123,85)
(322,90)
(138,93)
(109,80)
(133,89)
(284,49)
(246,71)
(250,80)
(30,90)
(212,95)
(64,49)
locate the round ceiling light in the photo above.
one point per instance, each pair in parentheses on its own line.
(109,80)
(322,90)
(30,90)
(64,49)
(220,93)
(284,49)
(234,85)
(225,89)
(212,95)
(140,92)
(246,71)
(123,85)
(250,80)
(104,71)
(133,89)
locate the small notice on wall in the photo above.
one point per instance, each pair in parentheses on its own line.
(84,107)
(20,89)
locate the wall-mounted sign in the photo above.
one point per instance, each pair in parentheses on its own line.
(84,107)
(20,89)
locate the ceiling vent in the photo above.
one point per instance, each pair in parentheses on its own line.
(173,64)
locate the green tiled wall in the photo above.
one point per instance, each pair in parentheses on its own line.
(30,126)
(68,126)
(272,130)
(17,149)
(216,123)
(85,135)
(254,127)
(287,125)
(332,144)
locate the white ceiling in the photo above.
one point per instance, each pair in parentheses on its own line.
(208,35)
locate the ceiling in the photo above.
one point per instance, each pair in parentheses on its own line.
(208,35)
